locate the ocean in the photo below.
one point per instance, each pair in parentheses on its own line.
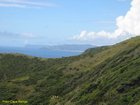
(38,52)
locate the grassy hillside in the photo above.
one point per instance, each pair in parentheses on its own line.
(108,75)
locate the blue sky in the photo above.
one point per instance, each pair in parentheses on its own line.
(58,21)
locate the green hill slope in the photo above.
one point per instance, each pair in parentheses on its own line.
(107,75)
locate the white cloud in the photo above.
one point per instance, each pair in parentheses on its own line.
(25,35)
(12,5)
(24,4)
(28,35)
(127,26)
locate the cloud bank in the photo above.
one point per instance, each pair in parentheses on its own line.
(25,4)
(127,26)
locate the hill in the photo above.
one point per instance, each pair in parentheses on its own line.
(108,75)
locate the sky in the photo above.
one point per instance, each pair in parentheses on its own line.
(53,22)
